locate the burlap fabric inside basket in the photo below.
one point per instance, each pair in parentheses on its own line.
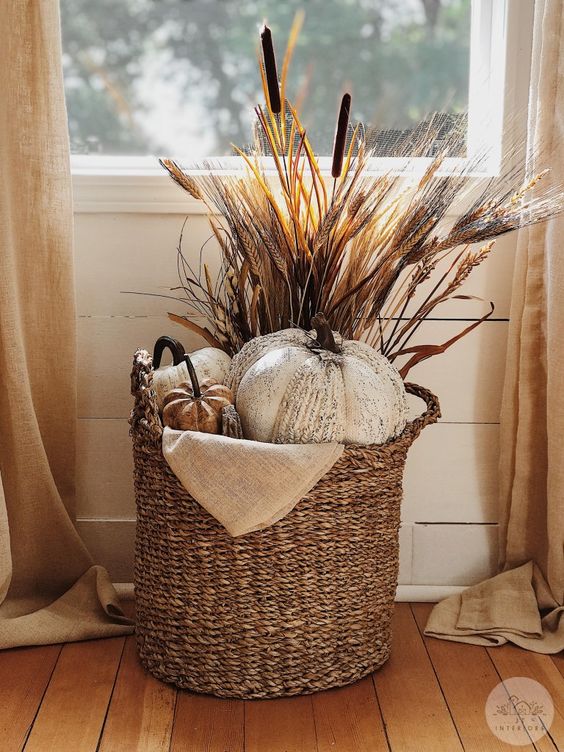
(246,485)
(298,607)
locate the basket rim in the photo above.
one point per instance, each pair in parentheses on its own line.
(145,410)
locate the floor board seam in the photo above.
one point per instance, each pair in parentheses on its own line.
(384,724)
(103,726)
(421,637)
(314,722)
(47,683)
(176,693)
(534,746)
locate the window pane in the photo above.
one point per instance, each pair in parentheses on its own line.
(179,77)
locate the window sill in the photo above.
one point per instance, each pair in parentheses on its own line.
(139,185)
(140,193)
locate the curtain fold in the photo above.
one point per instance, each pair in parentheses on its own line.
(50,591)
(532,418)
(531,468)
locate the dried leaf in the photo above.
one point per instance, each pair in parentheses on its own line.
(423,352)
(202,331)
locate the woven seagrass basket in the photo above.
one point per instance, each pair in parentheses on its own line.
(301,606)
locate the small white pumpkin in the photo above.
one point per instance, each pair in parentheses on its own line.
(297,387)
(210,364)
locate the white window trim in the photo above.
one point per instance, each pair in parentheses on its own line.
(499,76)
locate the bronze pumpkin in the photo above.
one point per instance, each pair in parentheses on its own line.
(195,406)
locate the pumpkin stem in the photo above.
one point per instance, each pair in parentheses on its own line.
(325,338)
(176,348)
(196,391)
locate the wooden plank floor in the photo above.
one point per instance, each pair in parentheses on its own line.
(95,697)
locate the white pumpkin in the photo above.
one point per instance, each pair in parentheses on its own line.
(209,363)
(297,387)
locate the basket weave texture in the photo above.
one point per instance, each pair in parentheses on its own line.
(299,607)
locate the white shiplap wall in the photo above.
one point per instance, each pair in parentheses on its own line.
(449,532)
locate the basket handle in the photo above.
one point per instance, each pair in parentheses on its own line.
(431,414)
(145,411)
(164,343)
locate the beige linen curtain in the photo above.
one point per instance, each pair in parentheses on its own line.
(50,591)
(523,604)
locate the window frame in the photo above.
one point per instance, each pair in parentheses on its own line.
(501,34)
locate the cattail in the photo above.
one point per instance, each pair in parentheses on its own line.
(270,69)
(341,136)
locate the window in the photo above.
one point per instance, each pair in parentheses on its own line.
(179,78)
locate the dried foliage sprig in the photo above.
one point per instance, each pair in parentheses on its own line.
(377,254)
